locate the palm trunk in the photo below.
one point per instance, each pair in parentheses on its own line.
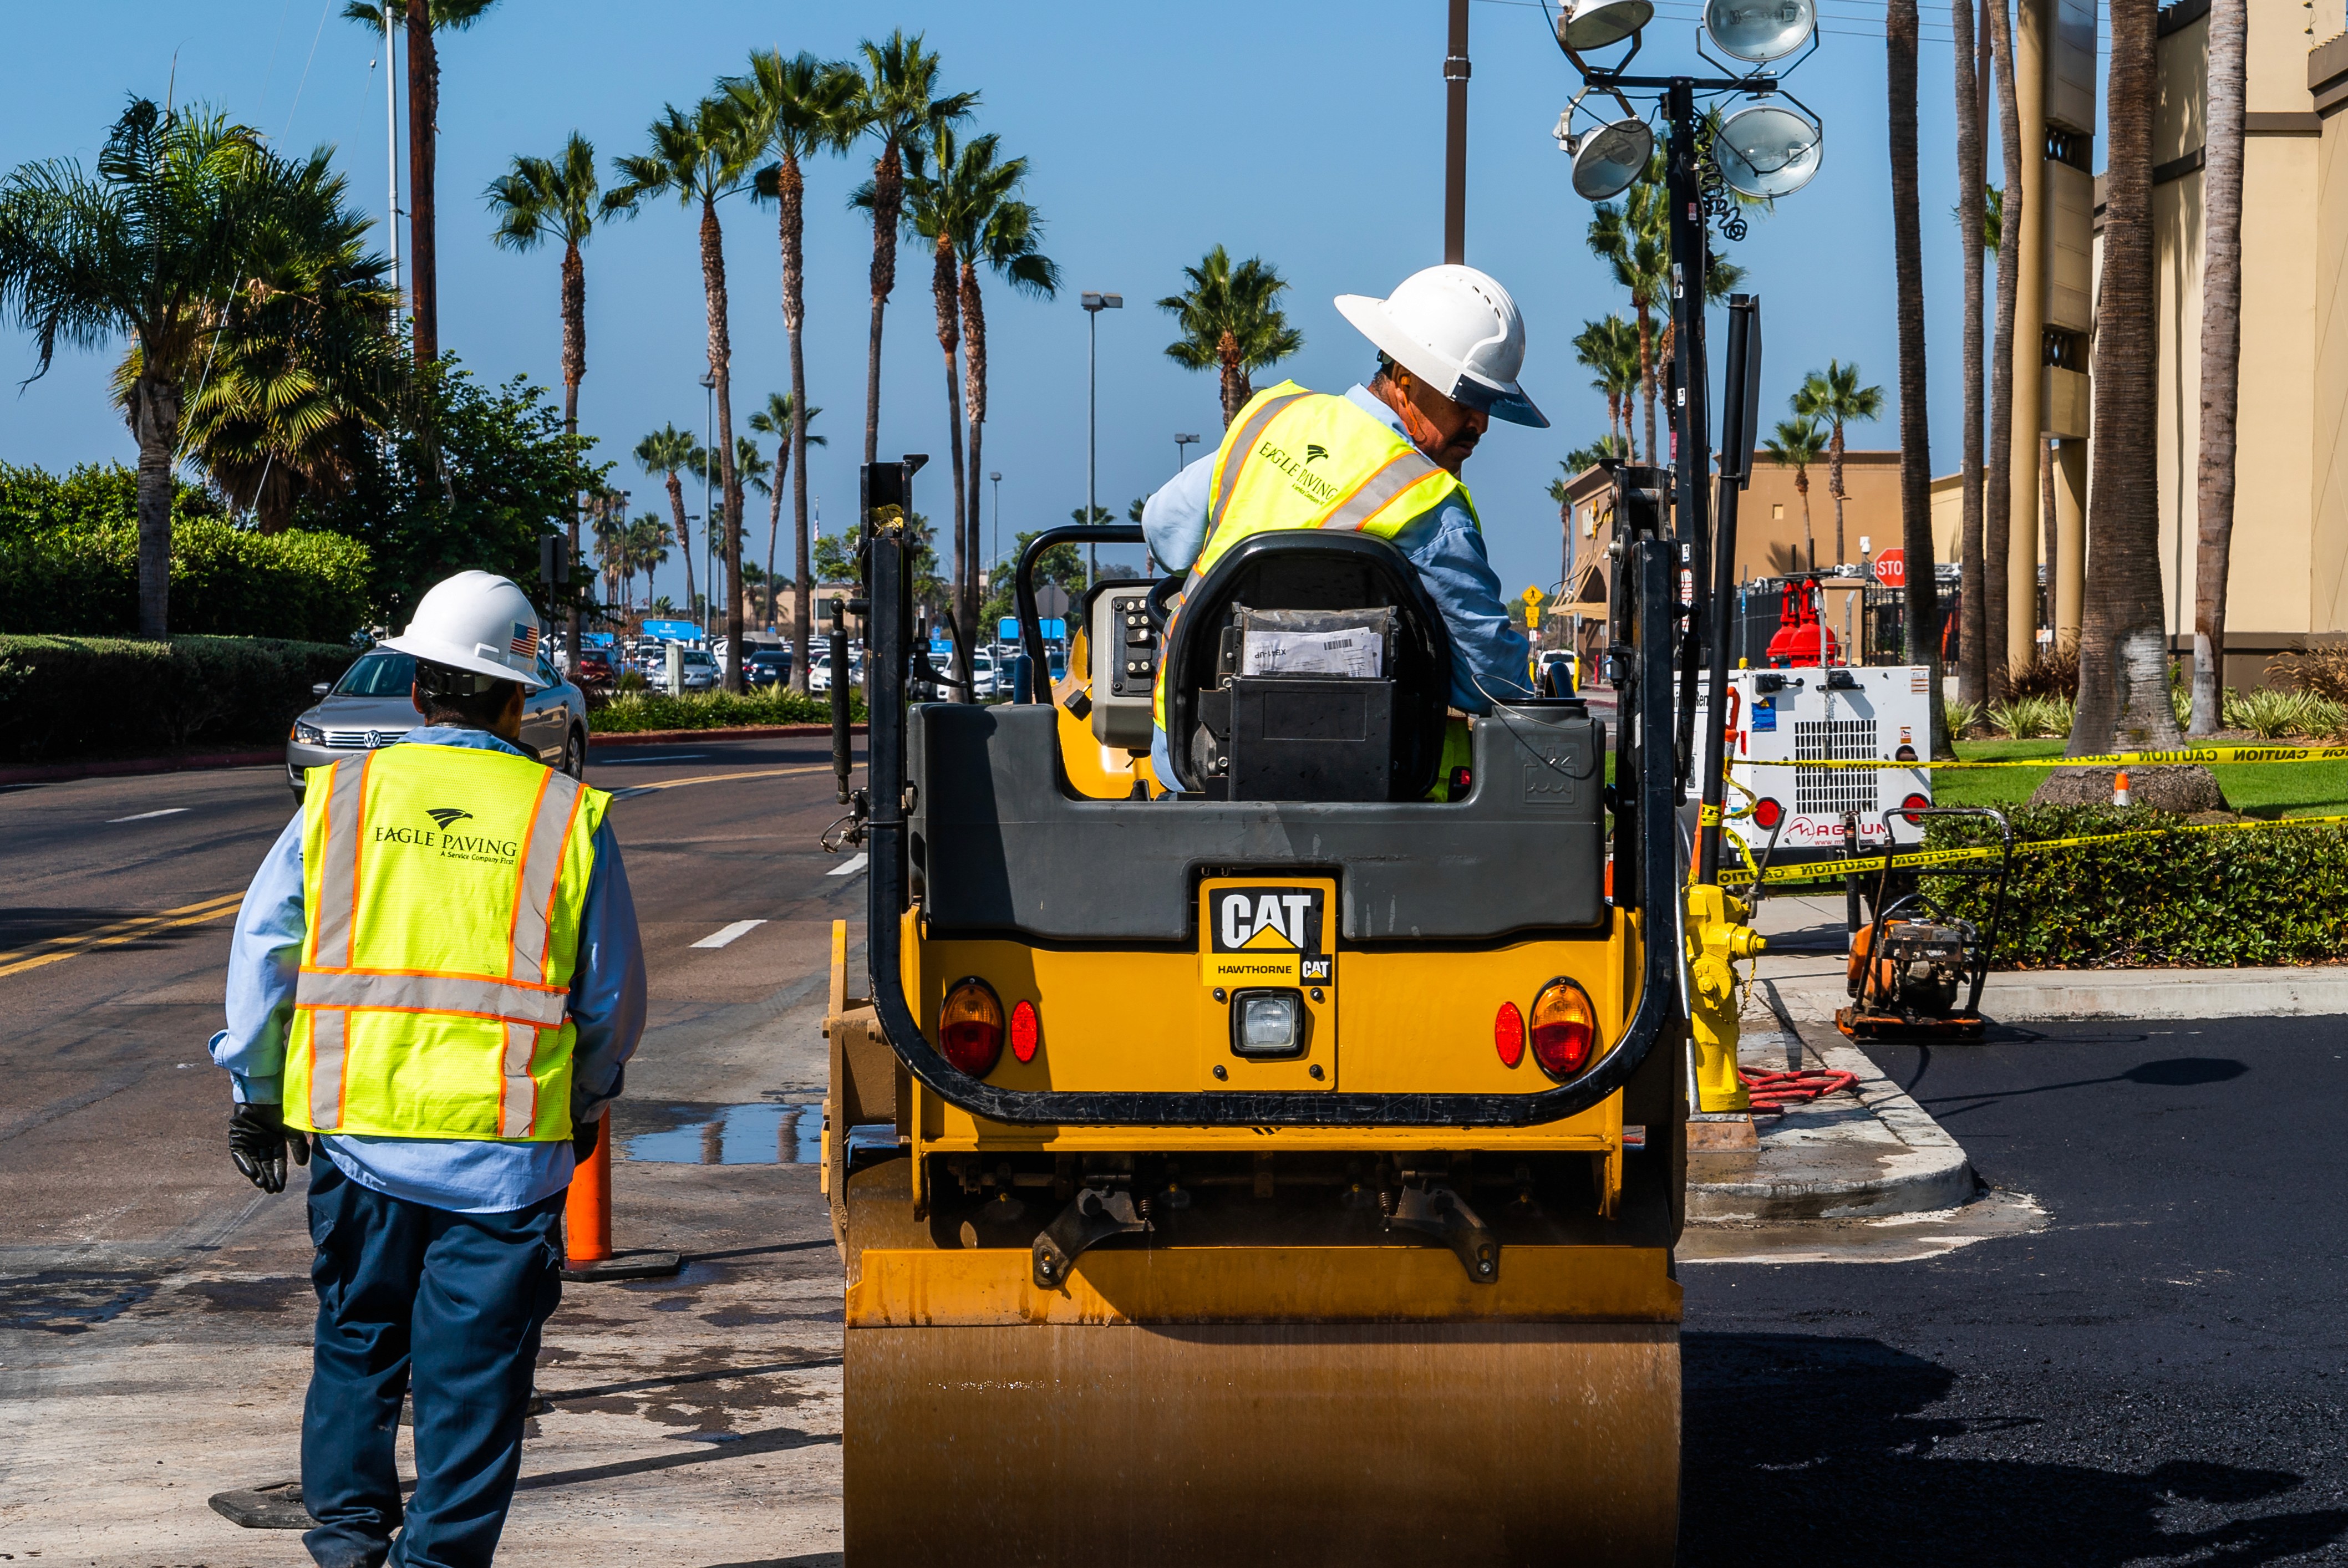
(1235,386)
(729,481)
(1998,513)
(946,293)
(683,534)
(1647,372)
(774,521)
(974,373)
(887,201)
(1810,539)
(2123,664)
(574,370)
(1923,588)
(423,113)
(1973,670)
(791,195)
(155,421)
(1834,485)
(2222,350)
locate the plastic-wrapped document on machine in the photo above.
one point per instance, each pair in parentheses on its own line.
(1314,642)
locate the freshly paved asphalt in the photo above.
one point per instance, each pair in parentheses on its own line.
(2158,1377)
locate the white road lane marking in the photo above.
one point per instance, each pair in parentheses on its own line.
(142,816)
(664,757)
(726,934)
(849,867)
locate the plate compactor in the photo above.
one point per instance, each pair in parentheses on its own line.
(1281,1162)
(1910,962)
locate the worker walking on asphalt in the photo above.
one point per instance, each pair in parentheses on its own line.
(437,974)
(1382,459)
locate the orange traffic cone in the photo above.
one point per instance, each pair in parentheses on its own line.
(587,1225)
(2120,788)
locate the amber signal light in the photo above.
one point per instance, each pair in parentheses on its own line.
(1564,1029)
(970,1027)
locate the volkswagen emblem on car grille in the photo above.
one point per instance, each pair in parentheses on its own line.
(376,738)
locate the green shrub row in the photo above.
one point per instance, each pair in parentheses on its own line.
(2217,899)
(635,711)
(90,696)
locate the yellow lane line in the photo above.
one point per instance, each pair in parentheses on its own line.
(130,930)
(632,790)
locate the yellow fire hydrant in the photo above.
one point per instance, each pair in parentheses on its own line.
(1716,935)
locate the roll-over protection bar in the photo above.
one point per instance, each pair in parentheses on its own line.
(1651,802)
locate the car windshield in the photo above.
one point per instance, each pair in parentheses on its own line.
(695,656)
(379,674)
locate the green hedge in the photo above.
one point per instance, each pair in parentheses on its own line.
(66,697)
(2198,900)
(635,711)
(70,564)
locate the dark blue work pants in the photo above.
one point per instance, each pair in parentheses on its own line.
(452,1304)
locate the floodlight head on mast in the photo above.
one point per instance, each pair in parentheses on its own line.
(1588,25)
(1765,151)
(1606,160)
(1759,30)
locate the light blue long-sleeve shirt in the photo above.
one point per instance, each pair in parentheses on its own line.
(466,1175)
(1487,654)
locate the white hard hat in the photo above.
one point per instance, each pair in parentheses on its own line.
(1458,330)
(476,622)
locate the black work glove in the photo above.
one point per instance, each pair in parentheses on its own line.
(257,1141)
(584,1137)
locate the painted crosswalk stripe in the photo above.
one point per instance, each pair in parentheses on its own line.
(726,934)
(849,867)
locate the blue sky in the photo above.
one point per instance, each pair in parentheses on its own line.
(1307,131)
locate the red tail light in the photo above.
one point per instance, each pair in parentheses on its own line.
(1026,1032)
(1508,1034)
(1768,814)
(1565,1028)
(1914,803)
(970,1028)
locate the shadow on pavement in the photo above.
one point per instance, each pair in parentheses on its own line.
(1818,1451)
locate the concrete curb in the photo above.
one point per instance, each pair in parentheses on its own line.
(738,732)
(54,772)
(2050,996)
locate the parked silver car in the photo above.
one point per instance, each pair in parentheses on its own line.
(372,706)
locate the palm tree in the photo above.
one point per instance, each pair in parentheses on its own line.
(1611,348)
(1231,323)
(1796,443)
(2221,353)
(1835,396)
(1634,241)
(1973,665)
(781,418)
(148,250)
(1923,588)
(554,198)
(665,453)
(1005,238)
(425,18)
(896,104)
(648,542)
(1997,524)
(701,158)
(2124,702)
(794,109)
(611,533)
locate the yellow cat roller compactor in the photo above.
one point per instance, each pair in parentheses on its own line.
(1280,1162)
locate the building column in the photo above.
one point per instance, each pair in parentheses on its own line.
(2033,33)
(2070,538)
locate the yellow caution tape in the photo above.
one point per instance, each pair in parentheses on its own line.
(2204,754)
(1709,817)
(1865,865)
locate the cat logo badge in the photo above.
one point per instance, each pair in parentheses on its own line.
(1258,935)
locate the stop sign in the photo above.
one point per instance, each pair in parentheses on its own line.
(1891,568)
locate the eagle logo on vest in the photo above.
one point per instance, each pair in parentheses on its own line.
(1315,452)
(444,815)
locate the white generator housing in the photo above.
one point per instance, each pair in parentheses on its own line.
(1780,719)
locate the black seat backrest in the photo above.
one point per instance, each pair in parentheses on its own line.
(1311,568)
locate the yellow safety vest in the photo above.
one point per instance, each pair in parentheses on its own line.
(444,888)
(1299,459)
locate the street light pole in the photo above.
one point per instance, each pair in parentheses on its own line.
(1094,305)
(994,544)
(708,469)
(1181,443)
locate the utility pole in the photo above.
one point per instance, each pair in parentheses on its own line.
(391,154)
(1455,140)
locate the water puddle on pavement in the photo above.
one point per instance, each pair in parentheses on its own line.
(764,1133)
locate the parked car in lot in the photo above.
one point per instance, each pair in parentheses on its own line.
(767,667)
(820,670)
(594,669)
(374,704)
(698,669)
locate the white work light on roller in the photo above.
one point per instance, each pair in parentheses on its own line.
(1759,30)
(1767,151)
(1595,23)
(1606,160)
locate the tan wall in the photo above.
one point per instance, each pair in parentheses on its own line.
(1770,537)
(2328,486)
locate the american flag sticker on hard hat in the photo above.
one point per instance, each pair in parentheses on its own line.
(525,640)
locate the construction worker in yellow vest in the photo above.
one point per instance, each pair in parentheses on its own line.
(436,977)
(1383,459)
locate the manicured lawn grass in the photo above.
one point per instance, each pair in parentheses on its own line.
(2255,789)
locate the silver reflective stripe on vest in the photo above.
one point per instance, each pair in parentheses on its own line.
(430,993)
(542,863)
(518,1095)
(329,1041)
(1241,449)
(338,891)
(1379,489)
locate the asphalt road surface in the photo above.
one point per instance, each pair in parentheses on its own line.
(2161,1377)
